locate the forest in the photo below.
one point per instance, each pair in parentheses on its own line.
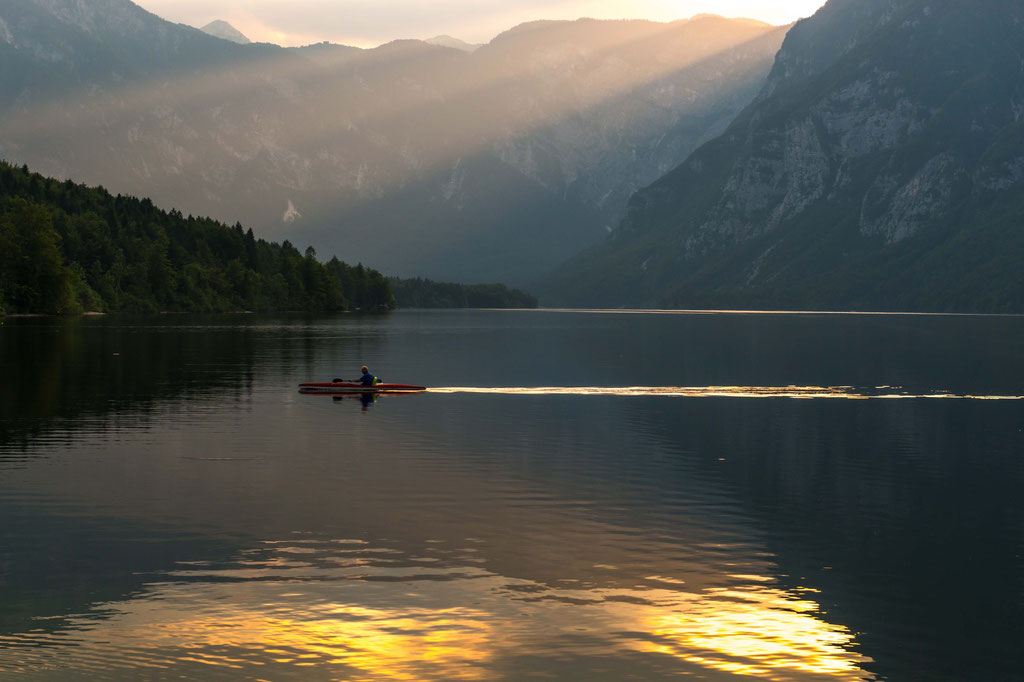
(424,293)
(67,248)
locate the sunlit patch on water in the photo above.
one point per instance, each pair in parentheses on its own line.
(804,392)
(347,611)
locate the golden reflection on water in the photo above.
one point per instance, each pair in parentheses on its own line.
(359,623)
(760,632)
(370,643)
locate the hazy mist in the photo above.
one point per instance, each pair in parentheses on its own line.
(420,159)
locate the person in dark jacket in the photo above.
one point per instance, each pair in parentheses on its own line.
(367,379)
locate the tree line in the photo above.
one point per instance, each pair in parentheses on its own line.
(425,293)
(67,248)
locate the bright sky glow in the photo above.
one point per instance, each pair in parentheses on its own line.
(367,23)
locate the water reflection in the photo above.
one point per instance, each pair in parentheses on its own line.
(364,399)
(120,371)
(352,611)
(552,524)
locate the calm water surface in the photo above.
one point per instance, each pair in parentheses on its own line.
(582,496)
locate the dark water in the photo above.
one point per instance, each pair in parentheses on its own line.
(779,497)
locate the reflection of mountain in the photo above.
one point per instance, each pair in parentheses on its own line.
(904,527)
(52,569)
(474,624)
(419,158)
(190,519)
(880,168)
(62,382)
(650,520)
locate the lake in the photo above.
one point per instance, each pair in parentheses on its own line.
(582,495)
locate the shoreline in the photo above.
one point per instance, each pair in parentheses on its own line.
(541,309)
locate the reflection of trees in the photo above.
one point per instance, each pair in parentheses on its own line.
(53,568)
(59,371)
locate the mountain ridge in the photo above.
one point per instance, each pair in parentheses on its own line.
(867,177)
(380,151)
(445,40)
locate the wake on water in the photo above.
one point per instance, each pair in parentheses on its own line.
(796,392)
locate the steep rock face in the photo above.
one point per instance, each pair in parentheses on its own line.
(369,153)
(814,45)
(882,156)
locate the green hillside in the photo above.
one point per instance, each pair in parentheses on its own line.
(67,248)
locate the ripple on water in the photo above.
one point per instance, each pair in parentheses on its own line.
(311,609)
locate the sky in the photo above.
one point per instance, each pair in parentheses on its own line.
(367,23)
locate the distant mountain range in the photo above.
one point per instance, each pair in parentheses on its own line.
(881,167)
(448,41)
(483,165)
(222,29)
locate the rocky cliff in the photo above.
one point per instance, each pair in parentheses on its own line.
(879,168)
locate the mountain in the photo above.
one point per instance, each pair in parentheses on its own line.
(222,29)
(880,168)
(455,43)
(426,160)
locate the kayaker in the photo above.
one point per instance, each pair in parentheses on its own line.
(367,379)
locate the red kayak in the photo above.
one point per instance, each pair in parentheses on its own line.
(353,387)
